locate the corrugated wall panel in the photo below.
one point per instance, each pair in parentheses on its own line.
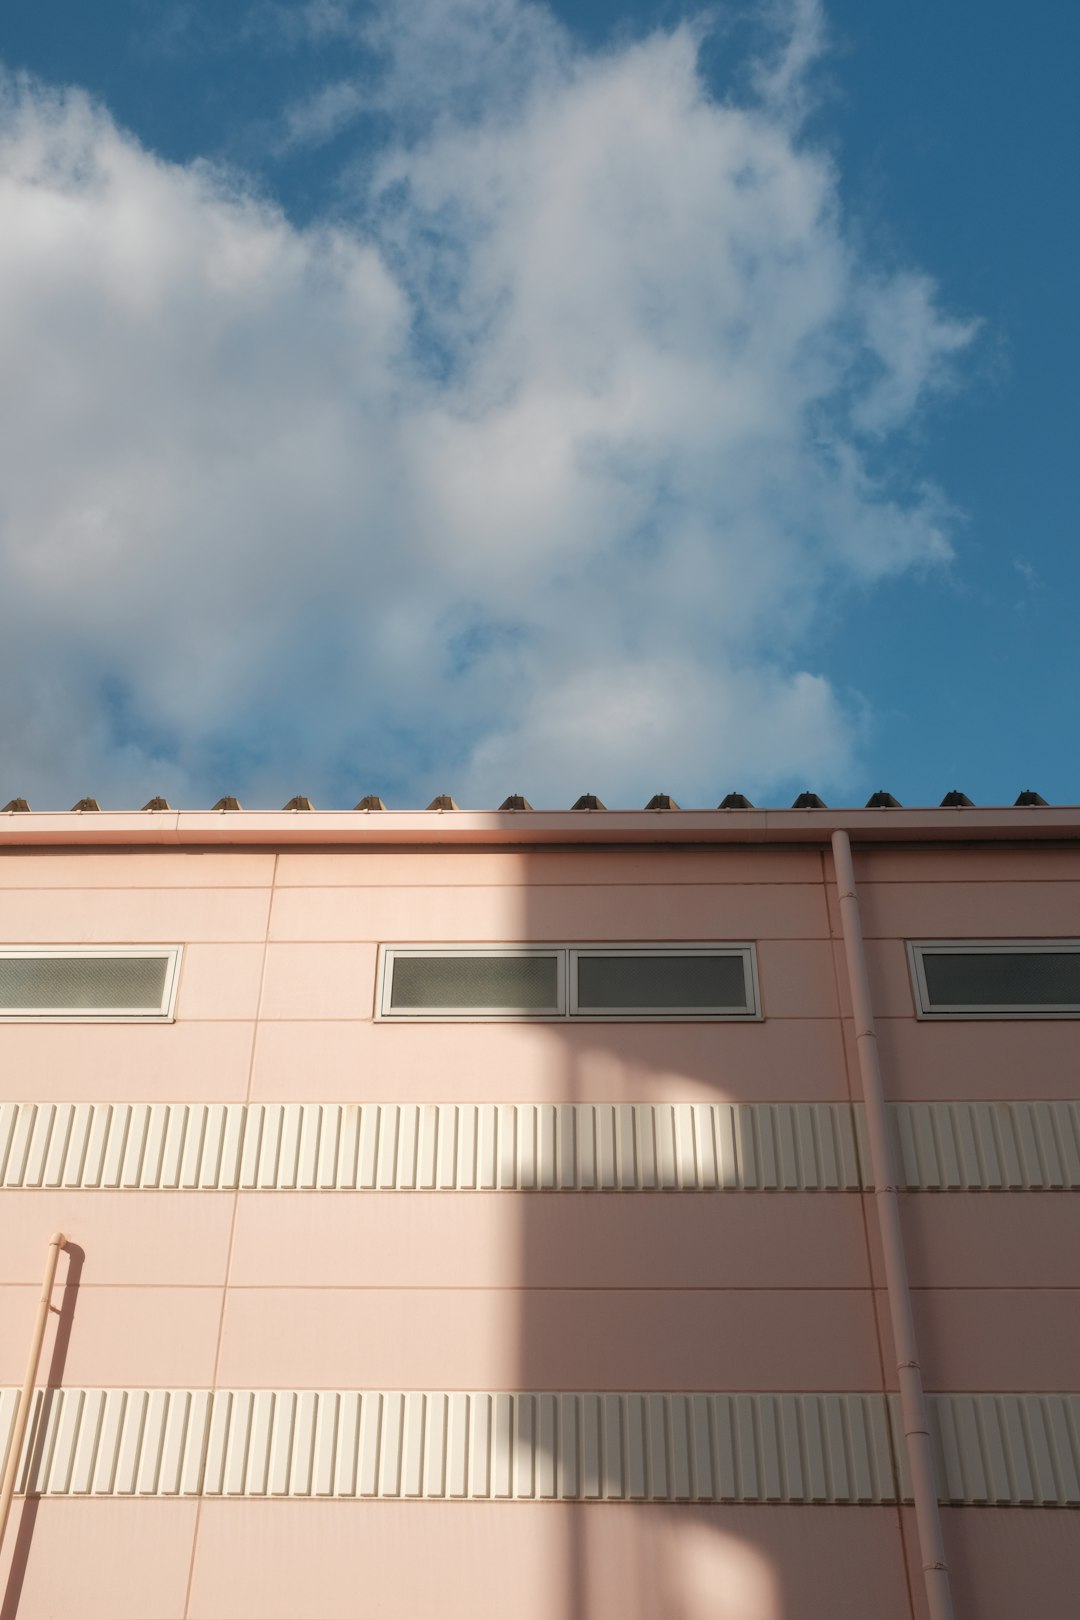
(987,1147)
(547,1147)
(401,1147)
(999,1450)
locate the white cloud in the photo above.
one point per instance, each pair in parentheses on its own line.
(912,344)
(535,477)
(799,40)
(322,116)
(607,723)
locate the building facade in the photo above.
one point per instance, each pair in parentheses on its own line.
(474,1214)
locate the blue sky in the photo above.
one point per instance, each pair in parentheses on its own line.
(494,397)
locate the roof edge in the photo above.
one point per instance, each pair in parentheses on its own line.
(270,828)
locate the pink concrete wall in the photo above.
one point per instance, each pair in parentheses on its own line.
(507,1290)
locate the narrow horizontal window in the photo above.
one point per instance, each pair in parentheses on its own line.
(88,982)
(567,981)
(998,979)
(476,983)
(638,982)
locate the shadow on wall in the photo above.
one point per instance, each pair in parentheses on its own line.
(640,1561)
(54,1378)
(623,1561)
(634,1561)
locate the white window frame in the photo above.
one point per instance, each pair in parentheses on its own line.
(567,956)
(163,1014)
(924,1009)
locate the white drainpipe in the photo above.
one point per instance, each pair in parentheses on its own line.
(912,1397)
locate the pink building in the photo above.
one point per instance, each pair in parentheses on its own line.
(471,1215)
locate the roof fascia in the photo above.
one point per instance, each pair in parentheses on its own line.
(441,828)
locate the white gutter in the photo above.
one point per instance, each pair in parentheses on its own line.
(914,1413)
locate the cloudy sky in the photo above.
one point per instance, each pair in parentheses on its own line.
(491,396)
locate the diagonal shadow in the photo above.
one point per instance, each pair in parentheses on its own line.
(54,1378)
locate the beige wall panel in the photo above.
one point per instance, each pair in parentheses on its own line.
(1005,1566)
(136,869)
(552,912)
(744,1563)
(890,978)
(781,1059)
(414,1338)
(219,981)
(119,1560)
(125,1237)
(133,916)
(147,1062)
(798,978)
(396,868)
(510,1240)
(300,1561)
(982,1240)
(998,1060)
(145,1336)
(376,1561)
(992,1338)
(110,1560)
(922,863)
(319,981)
(969,910)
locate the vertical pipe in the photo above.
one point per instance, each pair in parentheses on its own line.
(26,1394)
(909,1374)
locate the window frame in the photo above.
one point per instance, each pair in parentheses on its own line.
(165,1013)
(567,955)
(969,1013)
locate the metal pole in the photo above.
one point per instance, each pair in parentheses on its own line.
(912,1397)
(26,1395)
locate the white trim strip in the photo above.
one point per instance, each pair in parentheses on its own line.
(1000,1450)
(545,1147)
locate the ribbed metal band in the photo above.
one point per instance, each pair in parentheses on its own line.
(451,1146)
(986,1146)
(701,1147)
(1020,1450)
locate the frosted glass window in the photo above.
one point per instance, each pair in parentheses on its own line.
(664,982)
(452,983)
(89,983)
(969,979)
(567,982)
